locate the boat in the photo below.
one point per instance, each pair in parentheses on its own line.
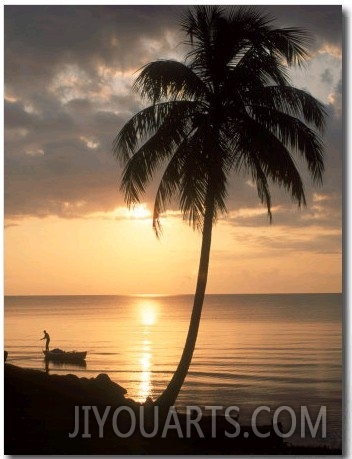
(58,355)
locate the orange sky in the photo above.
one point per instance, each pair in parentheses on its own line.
(109,256)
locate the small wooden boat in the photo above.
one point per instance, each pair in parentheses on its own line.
(58,355)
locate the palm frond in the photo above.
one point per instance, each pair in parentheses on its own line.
(201,25)
(249,18)
(198,24)
(159,147)
(168,188)
(193,183)
(167,79)
(261,69)
(205,173)
(146,122)
(294,134)
(290,43)
(260,179)
(266,150)
(290,100)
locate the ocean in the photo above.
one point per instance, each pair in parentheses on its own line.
(253,351)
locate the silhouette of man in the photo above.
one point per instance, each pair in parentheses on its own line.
(47,338)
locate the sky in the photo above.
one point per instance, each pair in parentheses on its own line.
(68,74)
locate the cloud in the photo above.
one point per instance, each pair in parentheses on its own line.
(68,76)
(326,76)
(280,243)
(335,100)
(46,43)
(323,22)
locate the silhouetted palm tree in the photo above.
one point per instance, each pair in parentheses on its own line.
(228,109)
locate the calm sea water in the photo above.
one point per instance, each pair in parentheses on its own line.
(252,350)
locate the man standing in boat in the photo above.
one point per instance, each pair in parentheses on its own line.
(47,338)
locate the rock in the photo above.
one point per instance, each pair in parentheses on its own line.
(103,381)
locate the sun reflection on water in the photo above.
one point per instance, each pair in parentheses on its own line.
(145,386)
(148,316)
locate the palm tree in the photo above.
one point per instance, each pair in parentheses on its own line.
(228,109)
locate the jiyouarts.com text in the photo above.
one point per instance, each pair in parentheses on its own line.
(190,425)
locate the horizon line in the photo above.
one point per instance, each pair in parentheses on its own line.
(153,295)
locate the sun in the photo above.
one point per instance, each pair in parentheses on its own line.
(148,314)
(139,211)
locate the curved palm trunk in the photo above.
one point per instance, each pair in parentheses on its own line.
(169,396)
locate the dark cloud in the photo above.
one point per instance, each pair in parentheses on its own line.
(323,22)
(16,116)
(40,39)
(338,87)
(326,76)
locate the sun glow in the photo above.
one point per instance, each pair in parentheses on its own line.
(139,211)
(148,317)
(148,313)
